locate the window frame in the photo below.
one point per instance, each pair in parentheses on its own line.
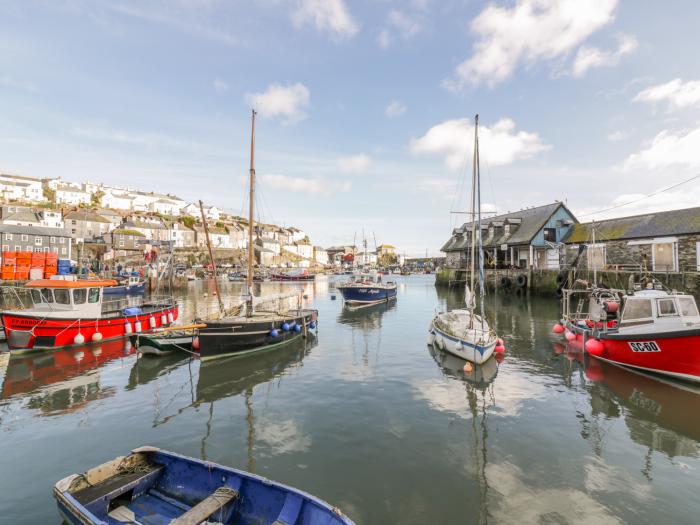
(636,319)
(666,299)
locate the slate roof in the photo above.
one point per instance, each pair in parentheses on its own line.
(85,216)
(22,216)
(531,221)
(33,230)
(659,224)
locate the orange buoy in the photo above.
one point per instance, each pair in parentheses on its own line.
(594,346)
(558,328)
(195,343)
(468,367)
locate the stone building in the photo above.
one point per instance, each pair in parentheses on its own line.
(666,241)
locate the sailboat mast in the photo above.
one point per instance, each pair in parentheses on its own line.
(480,246)
(595,265)
(473,210)
(251,211)
(211,257)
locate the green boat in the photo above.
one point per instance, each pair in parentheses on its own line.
(163,343)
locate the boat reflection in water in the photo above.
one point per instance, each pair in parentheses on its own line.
(62,380)
(480,376)
(365,317)
(661,414)
(148,368)
(234,376)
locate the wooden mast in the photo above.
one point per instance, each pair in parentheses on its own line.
(211,257)
(251,211)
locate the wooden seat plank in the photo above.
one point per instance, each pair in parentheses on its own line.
(205,508)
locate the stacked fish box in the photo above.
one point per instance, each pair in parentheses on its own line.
(51,266)
(24,264)
(63,267)
(9,263)
(37,269)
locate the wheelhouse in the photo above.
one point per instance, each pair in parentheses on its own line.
(57,297)
(659,308)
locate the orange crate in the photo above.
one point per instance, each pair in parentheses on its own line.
(7,276)
(9,262)
(11,255)
(53,256)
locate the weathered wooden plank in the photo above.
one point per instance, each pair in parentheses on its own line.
(205,508)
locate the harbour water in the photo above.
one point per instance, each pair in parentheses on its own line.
(369,418)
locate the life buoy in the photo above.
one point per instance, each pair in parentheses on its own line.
(504,281)
(521,280)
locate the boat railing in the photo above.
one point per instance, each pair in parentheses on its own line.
(15,298)
(118,304)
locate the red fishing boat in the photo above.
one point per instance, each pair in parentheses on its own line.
(67,312)
(652,330)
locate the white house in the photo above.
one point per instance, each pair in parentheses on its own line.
(166,206)
(270,244)
(320,255)
(365,258)
(16,187)
(51,219)
(219,238)
(210,212)
(69,194)
(297,234)
(117,201)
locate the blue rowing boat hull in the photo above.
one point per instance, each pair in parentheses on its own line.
(367,294)
(124,289)
(155,486)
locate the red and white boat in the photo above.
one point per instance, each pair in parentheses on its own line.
(652,330)
(67,312)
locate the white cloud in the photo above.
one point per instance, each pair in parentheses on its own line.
(677,93)
(384,39)
(589,57)
(668,149)
(314,186)
(616,135)
(499,144)
(395,109)
(401,24)
(281,101)
(354,163)
(330,16)
(530,31)
(220,86)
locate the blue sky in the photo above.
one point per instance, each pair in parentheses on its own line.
(364,105)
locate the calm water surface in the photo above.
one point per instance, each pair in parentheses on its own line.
(369,418)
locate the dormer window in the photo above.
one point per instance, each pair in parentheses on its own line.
(506,229)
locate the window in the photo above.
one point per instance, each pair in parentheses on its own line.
(94,295)
(36,296)
(62,240)
(46,295)
(73,231)
(52,240)
(596,256)
(8,236)
(73,223)
(36,250)
(666,307)
(38,240)
(121,244)
(663,257)
(46,249)
(29,249)
(54,249)
(18,248)
(62,296)
(637,309)
(550,234)
(25,237)
(63,251)
(79,295)
(688,307)
(5,248)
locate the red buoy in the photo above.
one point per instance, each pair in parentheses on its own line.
(558,328)
(569,335)
(195,343)
(499,349)
(594,346)
(499,357)
(499,342)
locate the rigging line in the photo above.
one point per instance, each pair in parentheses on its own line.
(644,197)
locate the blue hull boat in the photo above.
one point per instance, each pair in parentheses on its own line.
(125,289)
(367,288)
(151,486)
(367,294)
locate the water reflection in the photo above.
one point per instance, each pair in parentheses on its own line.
(365,317)
(62,380)
(149,368)
(480,376)
(660,414)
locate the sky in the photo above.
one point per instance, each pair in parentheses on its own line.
(365,107)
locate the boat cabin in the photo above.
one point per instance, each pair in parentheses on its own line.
(366,278)
(657,310)
(67,298)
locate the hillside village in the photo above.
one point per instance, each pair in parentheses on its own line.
(112,223)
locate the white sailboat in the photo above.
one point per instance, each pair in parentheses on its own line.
(464,332)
